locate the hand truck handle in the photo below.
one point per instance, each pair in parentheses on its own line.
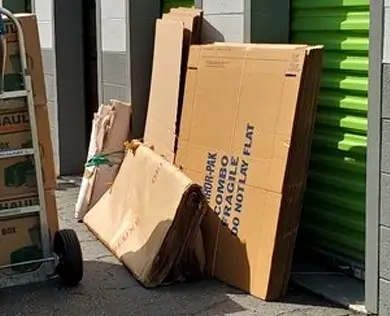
(3,44)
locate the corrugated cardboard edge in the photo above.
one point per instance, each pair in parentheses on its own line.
(300,153)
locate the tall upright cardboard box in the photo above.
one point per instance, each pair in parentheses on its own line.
(245,135)
(17,175)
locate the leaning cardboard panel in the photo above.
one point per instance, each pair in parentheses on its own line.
(245,136)
(150,217)
(160,127)
(110,130)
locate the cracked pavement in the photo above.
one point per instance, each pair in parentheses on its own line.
(108,289)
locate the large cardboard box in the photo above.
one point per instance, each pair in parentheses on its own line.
(245,135)
(20,240)
(13,78)
(21,201)
(17,175)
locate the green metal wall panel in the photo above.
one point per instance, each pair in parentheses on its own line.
(333,218)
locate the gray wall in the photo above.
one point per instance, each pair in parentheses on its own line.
(122,55)
(49,68)
(72,138)
(226,21)
(384,236)
(246,20)
(44,11)
(142,20)
(115,52)
(127,39)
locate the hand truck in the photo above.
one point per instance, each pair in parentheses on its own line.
(63,257)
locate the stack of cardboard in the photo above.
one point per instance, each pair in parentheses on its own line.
(245,135)
(245,132)
(237,119)
(17,175)
(150,218)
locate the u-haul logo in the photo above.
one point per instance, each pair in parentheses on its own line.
(6,205)
(14,122)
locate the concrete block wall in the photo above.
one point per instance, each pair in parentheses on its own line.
(115,46)
(246,20)
(225,20)
(384,235)
(44,12)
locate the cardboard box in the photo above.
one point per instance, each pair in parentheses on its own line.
(31,200)
(245,135)
(13,78)
(17,175)
(20,240)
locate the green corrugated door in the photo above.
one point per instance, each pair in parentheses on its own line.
(333,219)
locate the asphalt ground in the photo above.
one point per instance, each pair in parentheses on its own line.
(108,289)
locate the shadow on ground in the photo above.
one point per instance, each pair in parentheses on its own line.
(108,289)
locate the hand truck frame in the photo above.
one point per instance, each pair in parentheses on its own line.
(62,257)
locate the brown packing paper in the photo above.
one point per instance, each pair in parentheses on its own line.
(150,217)
(247,112)
(110,140)
(17,175)
(34,58)
(20,201)
(110,130)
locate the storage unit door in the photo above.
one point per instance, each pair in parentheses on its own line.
(333,219)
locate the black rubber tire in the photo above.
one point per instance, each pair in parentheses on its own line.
(70,268)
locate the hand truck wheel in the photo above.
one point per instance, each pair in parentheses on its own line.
(70,258)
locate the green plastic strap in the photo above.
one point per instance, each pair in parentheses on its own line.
(101,159)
